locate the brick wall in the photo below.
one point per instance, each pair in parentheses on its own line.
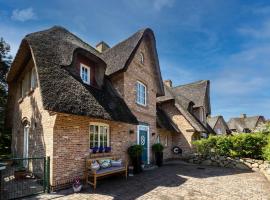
(125,84)
(71,144)
(31,109)
(183,139)
(165,134)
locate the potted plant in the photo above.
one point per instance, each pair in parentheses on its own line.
(77,186)
(94,149)
(101,149)
(158,150)
(108,149)
(135,154)
(20,173)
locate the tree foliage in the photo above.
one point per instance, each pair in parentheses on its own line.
(5,62)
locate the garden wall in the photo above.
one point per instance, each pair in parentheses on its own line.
(239,163)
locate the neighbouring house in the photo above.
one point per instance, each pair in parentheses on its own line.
(245,124)
(67,97)
(218,124)
(186,108)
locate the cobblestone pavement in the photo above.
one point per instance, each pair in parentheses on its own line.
(177,182)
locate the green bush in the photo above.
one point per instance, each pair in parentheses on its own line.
(135,150)
(157,147)
(266,150)
(240,145)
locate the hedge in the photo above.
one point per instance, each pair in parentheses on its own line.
(254,145)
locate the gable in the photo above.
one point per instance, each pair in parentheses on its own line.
(119,57)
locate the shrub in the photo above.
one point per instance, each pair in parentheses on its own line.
(157,147)
(135,150)
(240,145)
(266,150)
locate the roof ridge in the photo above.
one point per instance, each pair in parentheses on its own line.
(193,83)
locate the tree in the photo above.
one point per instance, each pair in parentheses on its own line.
(5,62)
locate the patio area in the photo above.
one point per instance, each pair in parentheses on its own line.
(177,180)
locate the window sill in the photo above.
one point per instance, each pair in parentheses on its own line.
(141,105)
(98,155)
(20,100)
(27,94)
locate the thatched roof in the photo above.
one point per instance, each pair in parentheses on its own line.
(182,104)
(197,92)
(119,56)
(241,123)
(53,51)
(163,121)
(212,121)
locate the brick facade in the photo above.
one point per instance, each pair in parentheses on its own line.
(183,139)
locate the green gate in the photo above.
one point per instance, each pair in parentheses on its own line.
(21,177)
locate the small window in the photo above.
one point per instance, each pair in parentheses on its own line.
(141,93)
(218,131)
(25,85)
(85,74)
(166,141)
(141,58)
(33,79)
(158,139)
(99,135)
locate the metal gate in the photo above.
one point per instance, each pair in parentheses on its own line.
(21,177)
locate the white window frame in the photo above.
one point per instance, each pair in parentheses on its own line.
(33,81)
(141,58)
(137,93)
(99,125)
(166,141)
(88,73)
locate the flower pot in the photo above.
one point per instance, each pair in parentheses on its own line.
(137,164)
(159,158)
(19,174)
(77,188)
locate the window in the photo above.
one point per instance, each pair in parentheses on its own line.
(33,79)
(218,131)
(85,73)
(158,139)
(166,141)
(141,94)
(141,58)
(99,135)
(25,85)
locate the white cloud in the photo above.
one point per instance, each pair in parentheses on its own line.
(23,14)
(159,4)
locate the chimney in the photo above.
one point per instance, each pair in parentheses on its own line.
(102,46)
(168,83)
(243,115)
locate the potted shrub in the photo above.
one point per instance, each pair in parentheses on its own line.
(158,150)
(20,173)
(77,186)
(135,154)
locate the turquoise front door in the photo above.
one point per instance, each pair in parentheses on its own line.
(143,140)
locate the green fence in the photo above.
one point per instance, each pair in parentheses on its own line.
(21,177)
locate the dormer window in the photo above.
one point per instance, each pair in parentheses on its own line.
(141,58)
(85,73)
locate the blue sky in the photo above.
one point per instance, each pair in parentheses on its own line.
(227,42)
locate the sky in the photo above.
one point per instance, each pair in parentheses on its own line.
(226,42)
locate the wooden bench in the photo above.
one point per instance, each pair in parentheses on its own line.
(91,175)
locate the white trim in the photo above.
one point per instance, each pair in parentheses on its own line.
(88,73)
(108,132)
(25,144)
(143,127)
(145,94)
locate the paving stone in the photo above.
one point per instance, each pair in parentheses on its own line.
(177,181)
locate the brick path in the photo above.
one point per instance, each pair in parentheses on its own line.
(178,181)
